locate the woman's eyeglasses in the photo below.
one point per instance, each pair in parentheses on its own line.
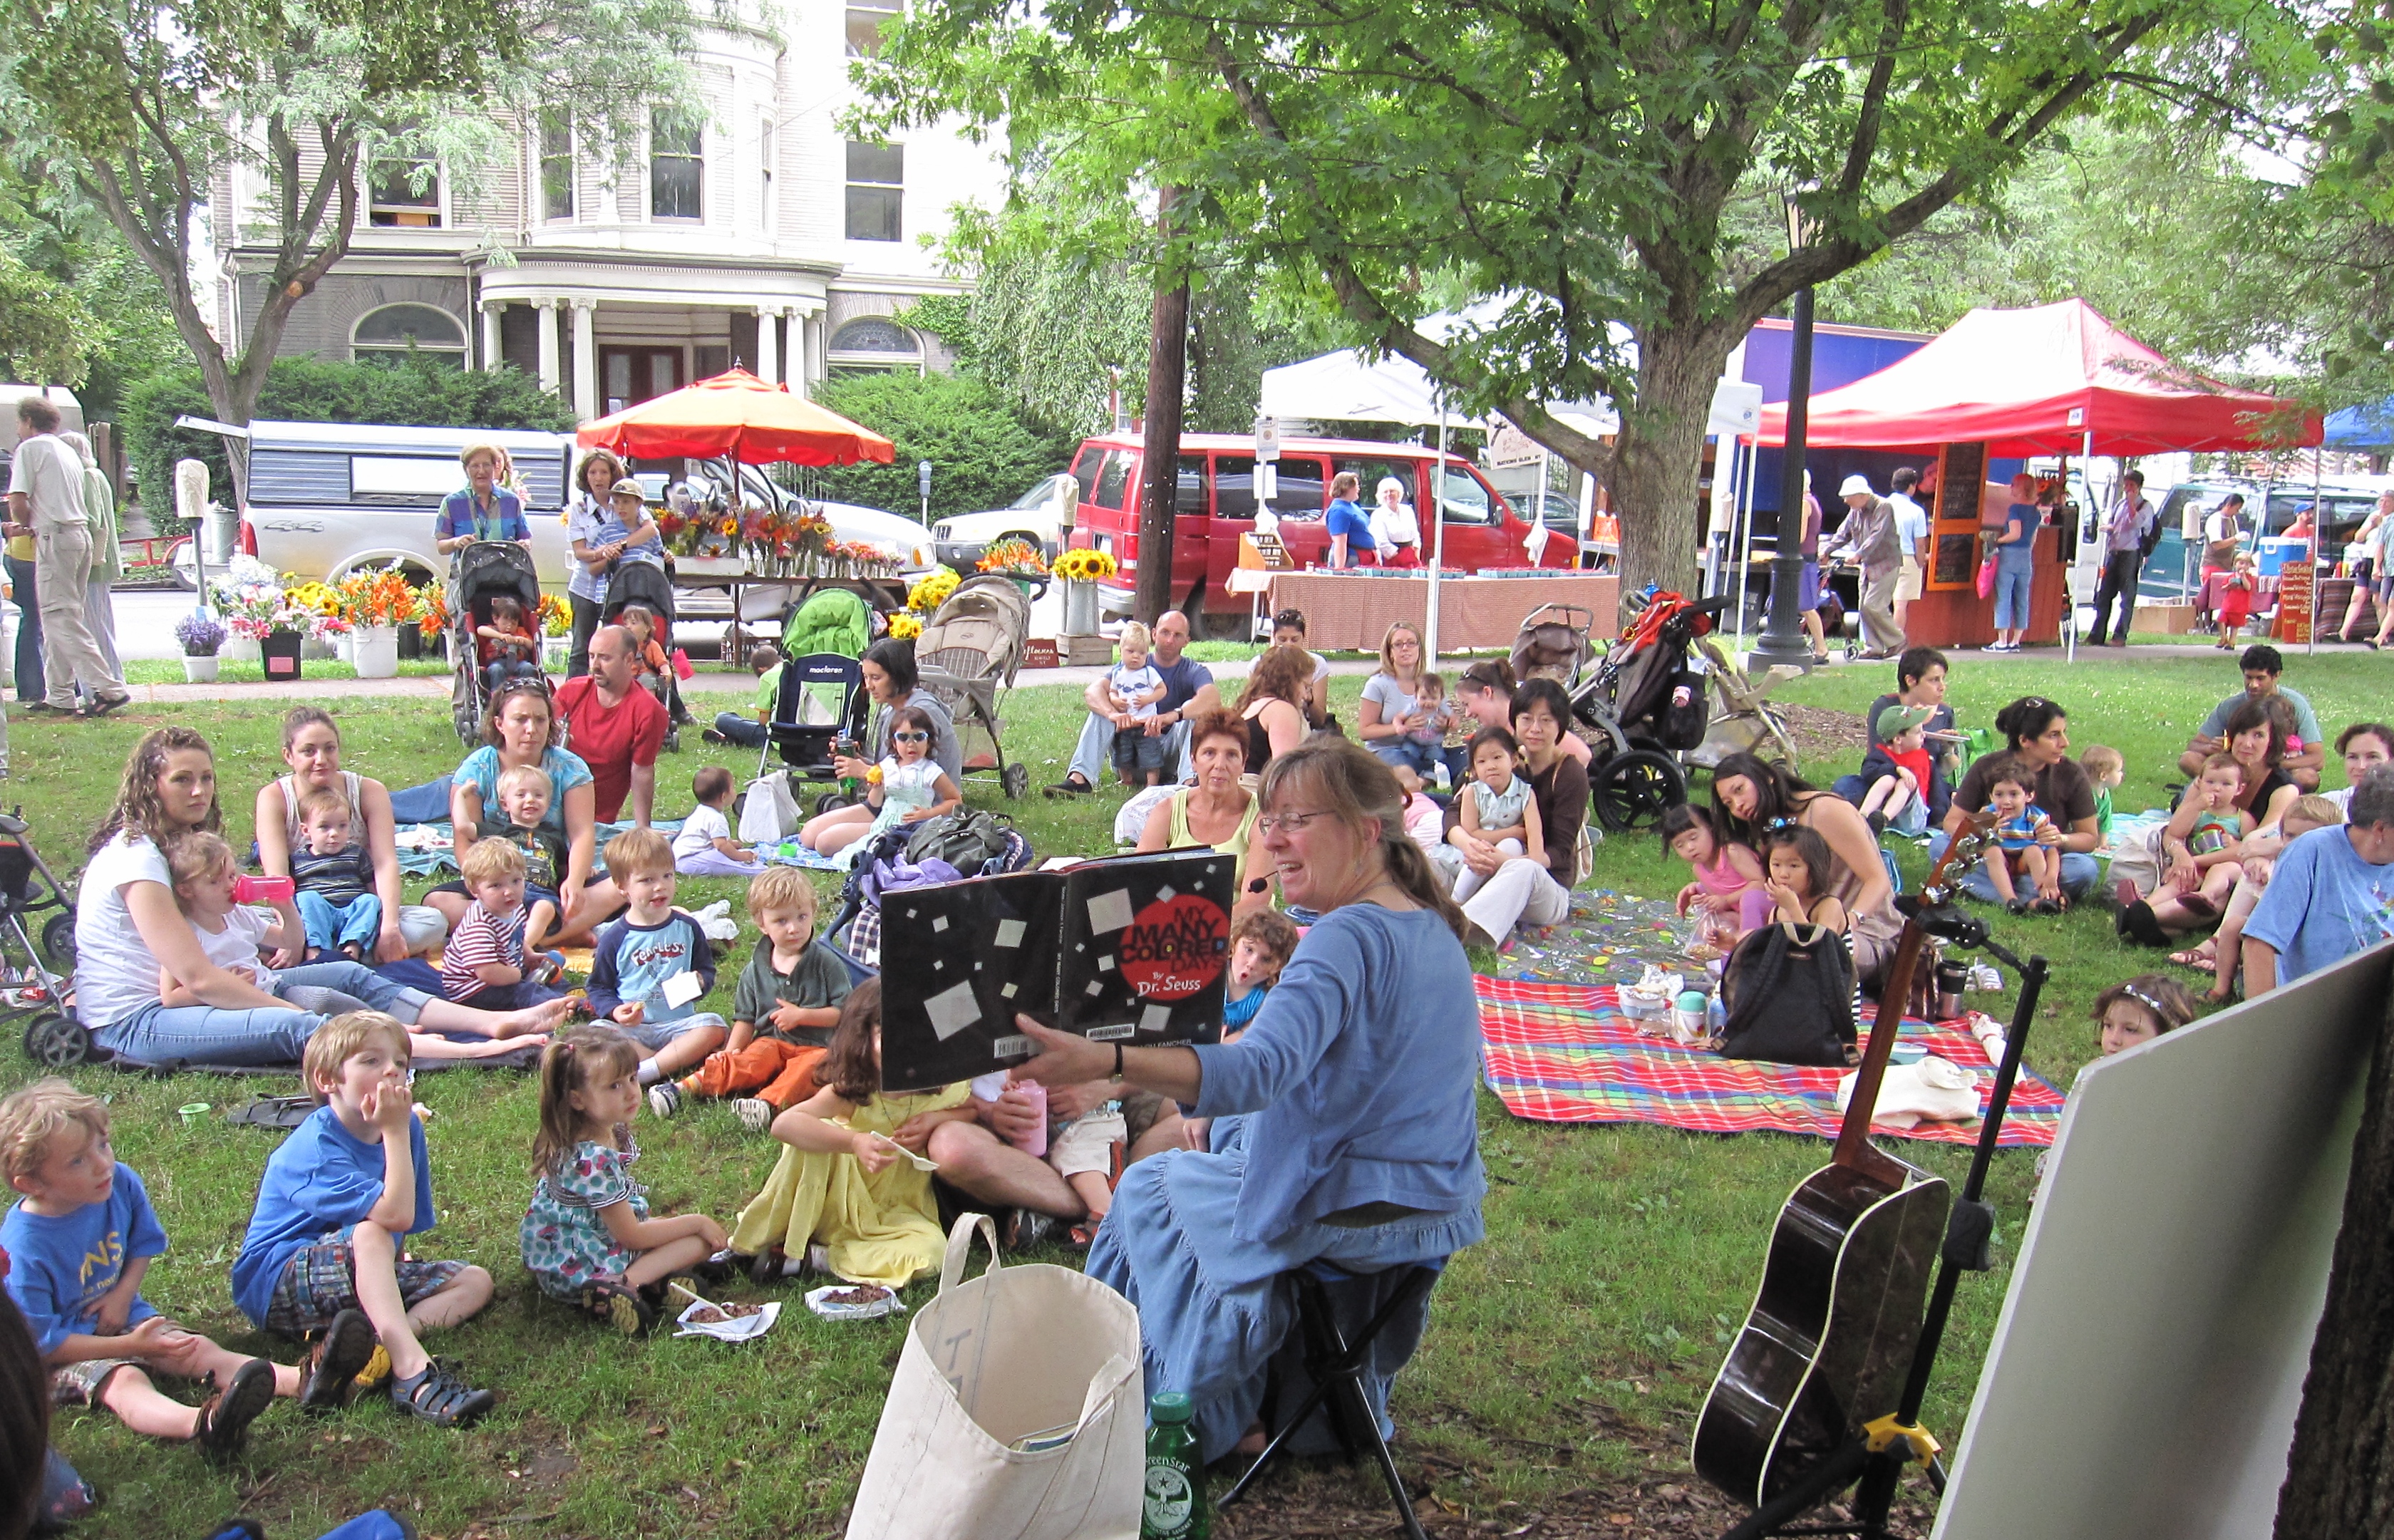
(1294,824)
(910,737)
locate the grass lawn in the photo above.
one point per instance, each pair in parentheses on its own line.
(1582,1335)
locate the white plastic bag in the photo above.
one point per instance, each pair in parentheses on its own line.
(1024,1354)
(770,813)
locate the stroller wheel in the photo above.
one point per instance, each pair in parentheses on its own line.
(56,1041)
(830,802)
(1633,790)
(58,941)
(1015,779)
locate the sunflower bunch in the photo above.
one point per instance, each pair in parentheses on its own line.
(1085,566)
(904,625)
(932,591)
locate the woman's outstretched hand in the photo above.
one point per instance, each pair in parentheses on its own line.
(1064,1059)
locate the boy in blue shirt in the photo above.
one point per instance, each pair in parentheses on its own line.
(649,968)
(80,1240)
(338,1199)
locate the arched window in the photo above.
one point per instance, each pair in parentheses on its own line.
(386,334)
(873,343)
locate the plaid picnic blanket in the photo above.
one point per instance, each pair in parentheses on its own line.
(1561,1053)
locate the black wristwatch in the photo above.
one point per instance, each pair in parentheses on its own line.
(1118,1064)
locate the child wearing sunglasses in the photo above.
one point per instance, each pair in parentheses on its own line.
(909,786)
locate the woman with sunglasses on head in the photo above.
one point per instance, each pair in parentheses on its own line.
(522,726)
(1355,1080)
(1754,798)
(2038,732)
(891,681)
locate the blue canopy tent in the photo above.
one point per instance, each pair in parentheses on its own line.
(2365,428)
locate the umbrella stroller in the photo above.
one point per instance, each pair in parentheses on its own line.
(31,988)
(967,652)
(479,573)
(646,584)
(1640,707)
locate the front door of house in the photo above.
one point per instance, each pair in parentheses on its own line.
(630,375)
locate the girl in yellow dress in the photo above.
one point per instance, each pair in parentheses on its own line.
(843,1185)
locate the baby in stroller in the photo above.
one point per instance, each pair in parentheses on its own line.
(504,646)
(639,598)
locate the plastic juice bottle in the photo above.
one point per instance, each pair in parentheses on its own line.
(1175,1508)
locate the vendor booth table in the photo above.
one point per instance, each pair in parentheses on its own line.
(1351,612)
(2049,379)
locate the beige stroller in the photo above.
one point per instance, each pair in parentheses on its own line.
(967,652)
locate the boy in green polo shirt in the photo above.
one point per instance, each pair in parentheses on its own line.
(766,661)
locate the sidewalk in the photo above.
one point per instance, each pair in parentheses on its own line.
(709,683)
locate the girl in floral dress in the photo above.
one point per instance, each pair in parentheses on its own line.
(588,1237)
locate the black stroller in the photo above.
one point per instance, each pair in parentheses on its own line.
(819,700)
(479,573)
(646,584)
(32,978)
(1642,706)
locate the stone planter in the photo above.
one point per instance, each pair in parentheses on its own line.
(201,670)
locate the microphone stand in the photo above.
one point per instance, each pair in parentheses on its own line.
(1878,1457)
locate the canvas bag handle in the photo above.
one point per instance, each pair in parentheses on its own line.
(952,1270)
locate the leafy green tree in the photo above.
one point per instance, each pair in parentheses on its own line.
(1590,166)
(146,107)
(413,389)
(983,454)
(46,332)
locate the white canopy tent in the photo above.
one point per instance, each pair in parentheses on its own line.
(1348,387)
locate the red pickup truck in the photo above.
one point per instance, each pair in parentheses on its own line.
(1218,504)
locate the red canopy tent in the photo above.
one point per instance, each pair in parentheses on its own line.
(2050,379)
(739,415)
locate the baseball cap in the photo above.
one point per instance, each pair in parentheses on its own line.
(1893,719)
(626,488)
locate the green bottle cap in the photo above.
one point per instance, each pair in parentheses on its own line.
(1170,1406)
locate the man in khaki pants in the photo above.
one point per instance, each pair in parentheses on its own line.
(45,494)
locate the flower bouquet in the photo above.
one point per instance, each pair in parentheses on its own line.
(247,595)
(930,592)
(377,599)
(199,634)
(435,620)
(1085,566)
(1017,559)
(904,625)
(556,617)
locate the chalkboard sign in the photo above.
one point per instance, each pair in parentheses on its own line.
(1957,561)
(1961,487)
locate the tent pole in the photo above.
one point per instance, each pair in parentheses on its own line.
(1745,521)
(2319,543)
(1437,539)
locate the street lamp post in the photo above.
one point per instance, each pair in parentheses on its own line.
(1782,639)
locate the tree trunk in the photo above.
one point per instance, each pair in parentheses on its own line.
(2340,1474)
(1167,364)
(1660,454)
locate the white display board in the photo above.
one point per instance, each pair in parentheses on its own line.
(2149,1358)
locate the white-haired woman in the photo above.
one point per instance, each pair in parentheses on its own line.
(1354,1083)
(1396,529)
(107,557)
(483,508)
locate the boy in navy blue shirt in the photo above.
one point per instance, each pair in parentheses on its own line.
(649,968)
(80,1240)
(337,1202)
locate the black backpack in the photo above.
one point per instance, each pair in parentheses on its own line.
(1789,991)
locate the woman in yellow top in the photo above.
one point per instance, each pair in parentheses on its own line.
(1217,812)
(845,1183)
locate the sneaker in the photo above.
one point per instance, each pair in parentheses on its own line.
(1071,785)
(439,1397)
(346,1347)
(375,1375)
(664,1098)
(1027,1227)
(713,736)
(1994,647)
(225,1416)
(755,1115)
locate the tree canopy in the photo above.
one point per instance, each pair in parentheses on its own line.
(1594,170)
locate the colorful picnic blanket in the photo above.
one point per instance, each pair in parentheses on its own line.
(1561,1053)
(428,850)
(1608,937)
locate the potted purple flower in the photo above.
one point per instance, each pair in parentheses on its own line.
(200,633)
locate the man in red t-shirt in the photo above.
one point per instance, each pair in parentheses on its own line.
(616,727)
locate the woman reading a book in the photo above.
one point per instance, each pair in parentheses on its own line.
(1216,811)
(1357,1073)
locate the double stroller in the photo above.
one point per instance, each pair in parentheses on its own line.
(966,655)
(479,573)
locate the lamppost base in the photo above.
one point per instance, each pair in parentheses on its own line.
(1773,653)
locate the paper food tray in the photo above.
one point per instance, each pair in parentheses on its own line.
(818,1300)
(738,1329)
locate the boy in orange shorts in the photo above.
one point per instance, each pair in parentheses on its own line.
(783,1013)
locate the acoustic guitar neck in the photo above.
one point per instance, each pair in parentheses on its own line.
(1854,1148)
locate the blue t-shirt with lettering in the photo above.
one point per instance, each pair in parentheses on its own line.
(60,1267)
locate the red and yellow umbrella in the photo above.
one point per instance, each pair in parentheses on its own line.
(738,415)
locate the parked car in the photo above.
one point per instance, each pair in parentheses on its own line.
(327,498)
(1039,516)
(1216,504)
(2174,570)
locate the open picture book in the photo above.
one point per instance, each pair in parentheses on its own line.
(1129,949)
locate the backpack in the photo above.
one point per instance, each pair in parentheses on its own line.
(1789,991)
(967,839)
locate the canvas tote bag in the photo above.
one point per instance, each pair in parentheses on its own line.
(1017,1351)
(769,814)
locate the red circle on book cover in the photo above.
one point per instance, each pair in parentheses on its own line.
(1174,948)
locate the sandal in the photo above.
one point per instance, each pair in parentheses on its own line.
(2200,958)
(2197,905)
(2218,996)
(332,1363)
(628,1310)
(225,1416)
(439,1397)
(1069,787)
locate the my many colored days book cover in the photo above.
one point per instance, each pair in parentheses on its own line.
(1128,949)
